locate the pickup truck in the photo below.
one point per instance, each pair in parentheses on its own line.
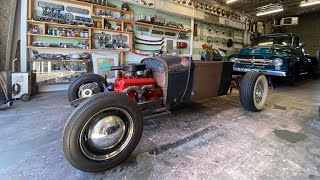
(279,55)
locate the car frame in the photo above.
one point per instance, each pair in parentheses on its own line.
(106,126)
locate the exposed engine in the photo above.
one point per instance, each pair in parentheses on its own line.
(137,82)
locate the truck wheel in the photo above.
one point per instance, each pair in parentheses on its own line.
(253,91)
(85,86)
(102,132)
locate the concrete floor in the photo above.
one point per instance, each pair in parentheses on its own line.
(211,139)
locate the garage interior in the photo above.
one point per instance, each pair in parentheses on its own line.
(48,45)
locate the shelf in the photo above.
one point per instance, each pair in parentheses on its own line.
(110,50)
(58,24)
(111,19)
(57,60)
(111,9)
(57,48)
(91,50)
(95,5)
(64,37)
(110,30)
(158,26)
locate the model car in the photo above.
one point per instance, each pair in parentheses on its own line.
(107,124)
(279,55)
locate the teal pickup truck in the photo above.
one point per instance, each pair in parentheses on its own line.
(279,55)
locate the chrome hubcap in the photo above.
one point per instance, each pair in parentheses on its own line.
(88,89)
(107,132)
(259,92)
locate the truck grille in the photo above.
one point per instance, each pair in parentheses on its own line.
(255,62)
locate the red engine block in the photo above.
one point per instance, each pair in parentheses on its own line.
(139,88)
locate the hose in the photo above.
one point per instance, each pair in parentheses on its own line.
(7,105)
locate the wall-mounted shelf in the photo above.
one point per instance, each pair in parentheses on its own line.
(64,37)
(109,50)
(58,24)
(96,6)
(161,27)
(111,19)
(57,48)
(78,49)
(110,30)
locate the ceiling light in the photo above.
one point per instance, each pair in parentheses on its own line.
(269,12)
(230,1)
(304,4)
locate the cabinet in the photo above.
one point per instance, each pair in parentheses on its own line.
(51,72)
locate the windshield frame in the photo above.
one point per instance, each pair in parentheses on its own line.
(275,36)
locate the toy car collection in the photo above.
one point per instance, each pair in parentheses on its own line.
(107,124)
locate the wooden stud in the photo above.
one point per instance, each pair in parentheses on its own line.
(29,40)
(90,40)
(121,58)
(122,26)
(91,10)
(30,9)
(44,30)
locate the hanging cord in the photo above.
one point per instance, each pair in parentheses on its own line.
(188,80)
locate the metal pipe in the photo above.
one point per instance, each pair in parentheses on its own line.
(6,105)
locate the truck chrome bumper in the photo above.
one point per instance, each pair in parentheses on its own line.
(266,72)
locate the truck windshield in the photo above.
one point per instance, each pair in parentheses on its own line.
(272,41)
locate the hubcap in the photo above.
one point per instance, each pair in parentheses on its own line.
(107,132)
(88,89)
(259,92)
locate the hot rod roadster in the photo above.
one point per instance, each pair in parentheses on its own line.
(107,124)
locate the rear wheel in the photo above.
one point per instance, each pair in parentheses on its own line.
(85,86)
(102,132)
(253,91)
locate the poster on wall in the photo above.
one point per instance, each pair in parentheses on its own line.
(102,64)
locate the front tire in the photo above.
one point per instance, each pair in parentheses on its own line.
(102,132)
(253,91)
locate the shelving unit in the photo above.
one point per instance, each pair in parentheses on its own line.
(92,8)
(60,71)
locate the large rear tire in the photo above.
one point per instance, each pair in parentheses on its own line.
(85,86)
(253,91)
(102,132)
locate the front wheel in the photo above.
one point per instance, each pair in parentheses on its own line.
(253,91)
(85,86)
(102,132)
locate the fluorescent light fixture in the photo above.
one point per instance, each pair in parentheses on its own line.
(269,12)
(230,1)
(304,4)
